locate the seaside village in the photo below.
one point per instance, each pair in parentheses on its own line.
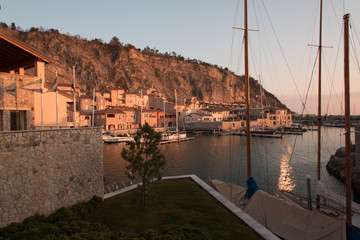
(37,102)
(51,158)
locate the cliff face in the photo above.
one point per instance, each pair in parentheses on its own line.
(114,65)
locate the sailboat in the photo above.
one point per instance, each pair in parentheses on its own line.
(284,219)
(173,135)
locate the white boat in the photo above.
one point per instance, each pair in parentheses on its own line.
(117,139)
(172,135)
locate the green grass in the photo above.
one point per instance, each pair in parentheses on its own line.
(172,202)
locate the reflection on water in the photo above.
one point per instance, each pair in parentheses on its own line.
(274,161)
(285,182)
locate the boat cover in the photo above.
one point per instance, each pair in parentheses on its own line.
(234,193)
(292,222)
(323,191)
(282,218)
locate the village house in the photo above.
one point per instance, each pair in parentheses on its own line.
(68,88)
(65,100)
(189,101)
(110,119)
(132,100)
(198,117)
(273,117)
(85,103)
(117,97)
(84,119)
(130,120)
(102,100)
(150,116)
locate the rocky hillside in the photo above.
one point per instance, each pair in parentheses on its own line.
(113,64)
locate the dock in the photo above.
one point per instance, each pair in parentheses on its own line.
(265,135)
(177,140)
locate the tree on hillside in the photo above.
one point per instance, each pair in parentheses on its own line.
(13,26)
(145,159)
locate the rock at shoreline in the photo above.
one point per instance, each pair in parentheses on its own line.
(336,168)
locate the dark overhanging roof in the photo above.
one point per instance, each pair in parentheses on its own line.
(15,54)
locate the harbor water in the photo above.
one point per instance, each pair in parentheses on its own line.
(282,162)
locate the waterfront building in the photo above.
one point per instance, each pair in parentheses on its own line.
(218,114)
(198,117)
(130,118)
(150,116)
(110,119)
(274,118)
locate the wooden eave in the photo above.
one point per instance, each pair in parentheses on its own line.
(16,54)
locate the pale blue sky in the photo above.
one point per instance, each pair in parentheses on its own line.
(202,29)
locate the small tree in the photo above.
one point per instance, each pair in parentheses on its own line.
(145,159)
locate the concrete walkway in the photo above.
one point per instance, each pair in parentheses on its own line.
(257,227)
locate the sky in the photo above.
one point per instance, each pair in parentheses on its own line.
(280,55)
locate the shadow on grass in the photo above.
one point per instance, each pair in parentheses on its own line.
(172,202)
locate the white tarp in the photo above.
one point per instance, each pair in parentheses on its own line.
(292,222)
(286,220)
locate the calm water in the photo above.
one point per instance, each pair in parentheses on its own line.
(224,157)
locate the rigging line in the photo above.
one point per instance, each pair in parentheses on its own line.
(283,54)
(271,56)
(333,76)
(310,82)
(355,30)
(268,67)
(336,16)
(310,52)
(354,54)
(239,57)
(233,34)
(271,66)
(324,143)
(312,73)
(258,27)
(253,59)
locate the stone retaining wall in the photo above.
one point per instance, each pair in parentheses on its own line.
(42,171)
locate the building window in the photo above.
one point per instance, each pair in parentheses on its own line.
(110,115)
(17,120)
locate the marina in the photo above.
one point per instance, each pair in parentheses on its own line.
(282,162)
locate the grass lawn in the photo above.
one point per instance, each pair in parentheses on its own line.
(180,202)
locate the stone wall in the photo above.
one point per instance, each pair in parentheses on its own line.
(42,171)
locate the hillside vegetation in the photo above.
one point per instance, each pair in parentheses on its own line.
(114,64)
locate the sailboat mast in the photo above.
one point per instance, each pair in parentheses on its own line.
(347,120)
(248,153)
(319,106)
